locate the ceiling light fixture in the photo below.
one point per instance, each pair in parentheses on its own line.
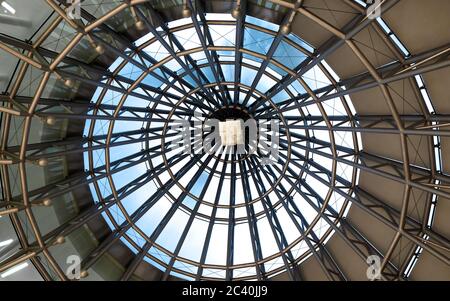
(232,132)
(14,269)
(8,7)
(6,243)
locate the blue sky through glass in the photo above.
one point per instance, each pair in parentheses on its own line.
(291,52)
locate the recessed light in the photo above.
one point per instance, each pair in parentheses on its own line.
(8,7)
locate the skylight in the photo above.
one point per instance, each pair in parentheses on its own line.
(200,216)
(8,8)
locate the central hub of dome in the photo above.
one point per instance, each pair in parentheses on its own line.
(220,153)
(231,113)
(232,132)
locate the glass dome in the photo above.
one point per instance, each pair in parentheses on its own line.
(224,140)
(219,215)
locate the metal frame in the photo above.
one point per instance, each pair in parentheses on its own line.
(180,100)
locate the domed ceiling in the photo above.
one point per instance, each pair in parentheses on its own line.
(127,150)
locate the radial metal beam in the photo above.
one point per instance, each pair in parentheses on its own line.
(59,105)
(94,211)
(211,224)
(80,179)
(322,255)
(388,70)
(286,23)
(412,223)
(376,170)
(133,265)
(71,146)
(129,44)
(191,220)
(170,50)
(274,223)
(325,51)
(103,206)
(439,64)
(70,62)
(434,251)
(205,37)
(252,223)
(365,157)
(126,225)
(231,221)
(375,129)
(359,245)
(239,43)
